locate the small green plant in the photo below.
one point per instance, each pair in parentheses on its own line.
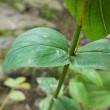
(15,94)
(46,13)
(44,47)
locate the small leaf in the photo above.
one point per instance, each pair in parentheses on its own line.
(10,82)
(39,47)
(93,55)
(20,80)
(17,96)
(48,85)
(78,92)
(24,86)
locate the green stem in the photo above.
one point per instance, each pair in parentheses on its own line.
(65,69)
(6,100)
(77,44)
(75,40)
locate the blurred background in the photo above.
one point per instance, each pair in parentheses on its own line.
(17,16)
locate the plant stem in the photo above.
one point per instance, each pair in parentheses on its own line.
(6,100)
(75,40)
(65,69)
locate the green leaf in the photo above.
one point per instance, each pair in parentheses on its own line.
(88,74)
(92,76)
(71,6)
(48,85)
(67,103)
(78,92)
(25,86)
(44,104)
(62,103)
(39,47)
(17,96)
(96,15)
(105,76)
(20,80)
(99,98)
(17,83)
(10,82)
(93,55)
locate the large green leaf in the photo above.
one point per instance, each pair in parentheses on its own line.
(98,97)
(92,76)
(88,74)
(71,6)
(97,14)
(78,92)
(93,55)
(62,103)
(105,76)
(39,47)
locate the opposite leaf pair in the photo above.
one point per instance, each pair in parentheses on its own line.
(44,47)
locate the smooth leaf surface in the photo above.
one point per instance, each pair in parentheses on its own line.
(17,83)
(17,96)
(88,74)
(24,86)
(105,76)
(62,103)
(39,47)
(20,80)
(96,15)
(98,97)
(71,6)
(10,82)
(93,55)
(44,104)
(92,76)
(78,92)
(67,103)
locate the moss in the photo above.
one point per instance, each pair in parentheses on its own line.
(5,32)
(46,13)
